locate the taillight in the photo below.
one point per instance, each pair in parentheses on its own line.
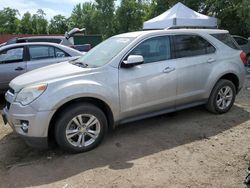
(243,57)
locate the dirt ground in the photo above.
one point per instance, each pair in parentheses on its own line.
(190,148)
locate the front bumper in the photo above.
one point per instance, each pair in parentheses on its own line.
(38,123)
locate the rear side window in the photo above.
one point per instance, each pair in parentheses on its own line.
(45,52)
(226,39)
(154,49)
(191,45)
(41,52)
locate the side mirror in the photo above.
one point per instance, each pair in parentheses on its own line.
(133,60)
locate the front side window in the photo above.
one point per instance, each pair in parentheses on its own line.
(154,49)
(41,52)
(11,55)
(191,45)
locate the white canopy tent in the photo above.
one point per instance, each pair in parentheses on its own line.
(180,16)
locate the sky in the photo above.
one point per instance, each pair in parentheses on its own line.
(50,7)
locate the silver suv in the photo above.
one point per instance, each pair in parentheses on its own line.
(125,78)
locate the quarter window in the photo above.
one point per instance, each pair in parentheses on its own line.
(241,41)
(59,53)
(227,39)
(154,49)
(11,55)
(191,45)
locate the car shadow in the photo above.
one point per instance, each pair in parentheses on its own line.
(123,145)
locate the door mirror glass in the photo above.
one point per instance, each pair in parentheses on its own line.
(133,60)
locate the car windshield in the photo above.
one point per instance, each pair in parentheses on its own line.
(104,52)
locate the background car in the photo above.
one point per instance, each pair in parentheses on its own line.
(245,46)
(16,59)
(66,40)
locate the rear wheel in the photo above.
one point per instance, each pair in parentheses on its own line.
(81,128)
(222,97)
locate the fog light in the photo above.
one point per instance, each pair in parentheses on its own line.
(25,126)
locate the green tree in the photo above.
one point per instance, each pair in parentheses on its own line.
(105,17)
(160,6)
(85,16)
(25,24)
(77,17)
(39,23)
(233,15)
(129,16)
(58,25)
(8,21)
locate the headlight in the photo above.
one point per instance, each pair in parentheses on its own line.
(30,93)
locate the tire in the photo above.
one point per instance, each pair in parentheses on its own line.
(215,102)
(88,120)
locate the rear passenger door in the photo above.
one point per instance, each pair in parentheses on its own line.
(194,58)
(12,64)
(43,55)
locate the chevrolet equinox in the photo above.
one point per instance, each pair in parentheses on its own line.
(128,77)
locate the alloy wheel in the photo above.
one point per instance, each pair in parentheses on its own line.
(83,130)
(224,97)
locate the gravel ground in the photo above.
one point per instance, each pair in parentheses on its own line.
(190,148)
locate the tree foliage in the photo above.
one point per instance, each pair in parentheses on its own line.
(129,16)
(25,24)
(105,10)
(84,16)
(107,17)
(8,20)
(58,24)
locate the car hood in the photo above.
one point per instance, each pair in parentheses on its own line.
(45,74)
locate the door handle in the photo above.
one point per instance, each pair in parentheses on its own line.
(211,60)
(168,69)
(19,69)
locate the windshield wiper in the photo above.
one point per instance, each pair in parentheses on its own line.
(80,64)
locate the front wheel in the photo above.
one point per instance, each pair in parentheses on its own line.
(80,128)
(222,97)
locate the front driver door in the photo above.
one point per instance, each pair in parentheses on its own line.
(151,86)
(12,64)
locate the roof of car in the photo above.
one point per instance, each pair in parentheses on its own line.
(30,43)
(42,37)
(139,33)
(62,47)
